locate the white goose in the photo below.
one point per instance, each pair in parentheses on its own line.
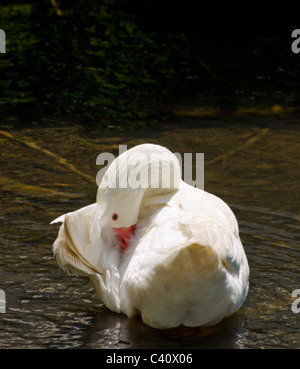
(171,254)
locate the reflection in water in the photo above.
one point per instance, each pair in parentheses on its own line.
(47,309)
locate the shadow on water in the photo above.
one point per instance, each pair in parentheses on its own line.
(256,172)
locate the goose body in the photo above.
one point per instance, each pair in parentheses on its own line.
(183,262)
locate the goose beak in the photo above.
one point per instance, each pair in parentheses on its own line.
(124,235)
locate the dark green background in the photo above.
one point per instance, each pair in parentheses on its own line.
(119,61)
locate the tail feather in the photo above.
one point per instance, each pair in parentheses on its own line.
(67,256)
(79,250)
(71,247)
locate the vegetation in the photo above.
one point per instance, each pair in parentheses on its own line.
(100,60)
(86,58)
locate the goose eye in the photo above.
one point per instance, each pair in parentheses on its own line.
(115,216)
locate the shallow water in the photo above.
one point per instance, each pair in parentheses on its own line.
(256,172)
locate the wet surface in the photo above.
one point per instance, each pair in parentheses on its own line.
(254,166)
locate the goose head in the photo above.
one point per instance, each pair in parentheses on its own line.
(119,213)
(144,171)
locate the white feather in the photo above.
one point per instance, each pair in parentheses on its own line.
(184,266)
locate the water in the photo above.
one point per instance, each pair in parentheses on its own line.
(253,166)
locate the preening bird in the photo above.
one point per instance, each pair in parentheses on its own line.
(155,246)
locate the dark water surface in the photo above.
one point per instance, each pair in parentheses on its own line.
(254,167)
